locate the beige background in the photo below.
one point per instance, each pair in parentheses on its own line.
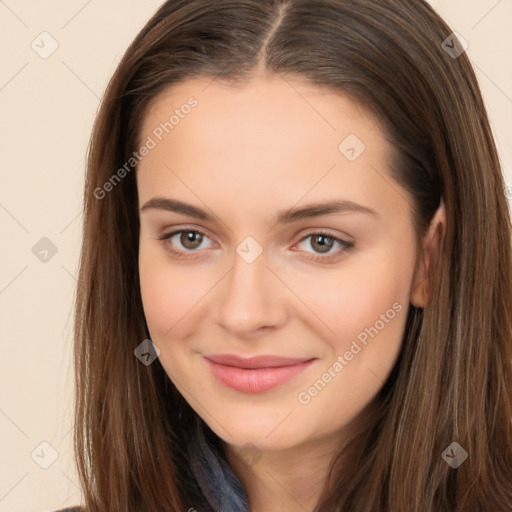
(48,106)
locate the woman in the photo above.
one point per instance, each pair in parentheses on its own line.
(296,271)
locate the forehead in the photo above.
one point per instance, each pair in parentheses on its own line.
(263,104)
(271,134)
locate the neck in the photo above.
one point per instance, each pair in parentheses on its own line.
(292,479)
(286,481)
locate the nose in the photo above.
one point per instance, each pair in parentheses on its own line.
(253,299)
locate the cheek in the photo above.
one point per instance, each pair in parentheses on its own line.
(175,296)
(345,300)
(355,297)
(366,306)
(167,291)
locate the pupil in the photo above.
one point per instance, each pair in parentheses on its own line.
(190,237)
(323,245)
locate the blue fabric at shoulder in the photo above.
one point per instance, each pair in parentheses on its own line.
(218,483)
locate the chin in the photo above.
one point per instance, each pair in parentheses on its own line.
(266,434)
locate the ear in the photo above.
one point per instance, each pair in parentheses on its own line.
(432,243)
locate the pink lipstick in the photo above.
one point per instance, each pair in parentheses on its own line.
(255,374)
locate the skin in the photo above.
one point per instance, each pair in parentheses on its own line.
(244,154)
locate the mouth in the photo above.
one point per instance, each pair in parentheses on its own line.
(255,374)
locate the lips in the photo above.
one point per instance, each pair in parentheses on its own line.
(255,362)
(255,374)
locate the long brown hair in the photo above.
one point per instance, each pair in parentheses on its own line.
(453,379)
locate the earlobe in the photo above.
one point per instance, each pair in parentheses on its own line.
(432,245)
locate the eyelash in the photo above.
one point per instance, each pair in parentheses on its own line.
(346,246)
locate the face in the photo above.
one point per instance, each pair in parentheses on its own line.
(277,256)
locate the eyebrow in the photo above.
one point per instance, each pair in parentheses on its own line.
(284,217)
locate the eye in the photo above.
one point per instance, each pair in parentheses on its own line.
(323,243)
(186,241)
